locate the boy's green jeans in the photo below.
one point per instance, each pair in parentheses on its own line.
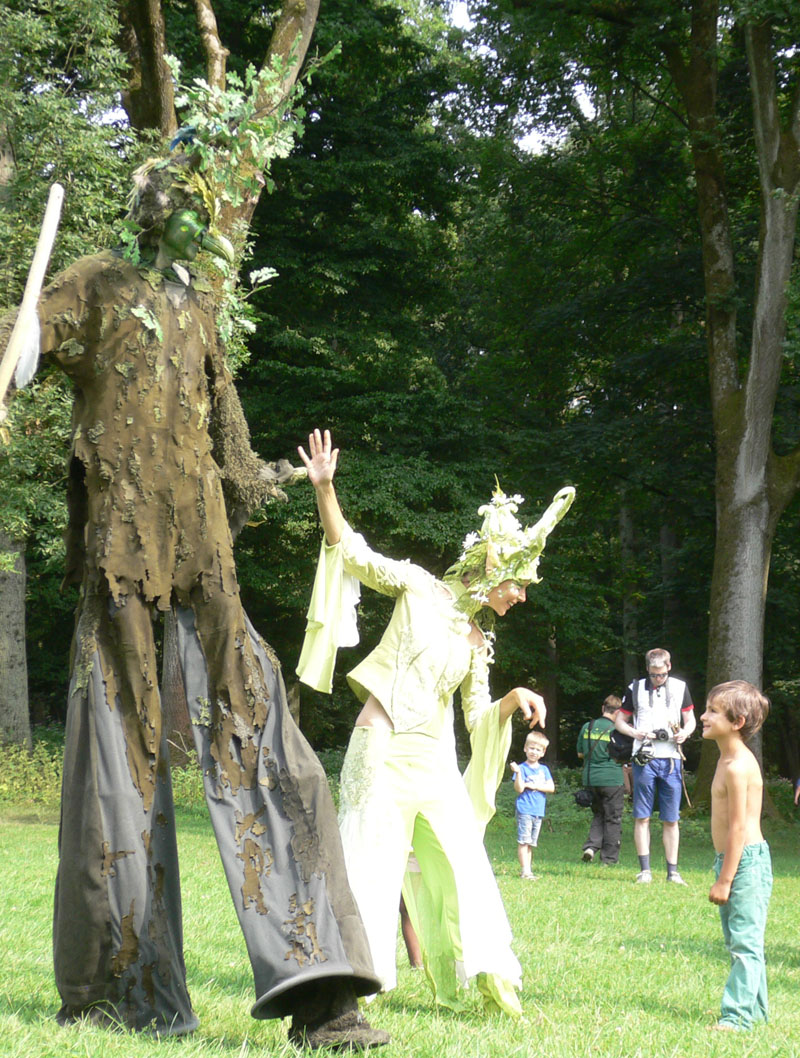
(744,919)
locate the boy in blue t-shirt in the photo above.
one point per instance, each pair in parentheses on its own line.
(532,781)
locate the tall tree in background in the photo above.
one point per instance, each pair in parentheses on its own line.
(706,47)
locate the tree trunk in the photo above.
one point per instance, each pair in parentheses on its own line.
(753,486)
(549,692)
(149,100)
(738,588)
(736,616)
(14,717)
(630,627)
(15,724)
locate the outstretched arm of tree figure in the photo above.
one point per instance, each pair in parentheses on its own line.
(247,480)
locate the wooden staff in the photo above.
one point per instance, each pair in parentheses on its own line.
(675,729)
(33,288)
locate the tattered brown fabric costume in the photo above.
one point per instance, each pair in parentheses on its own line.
(148,532)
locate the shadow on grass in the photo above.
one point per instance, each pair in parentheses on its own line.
(29,815)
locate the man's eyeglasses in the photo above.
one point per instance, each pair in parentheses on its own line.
(658,675)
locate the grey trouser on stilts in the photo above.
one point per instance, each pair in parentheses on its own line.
(117,926)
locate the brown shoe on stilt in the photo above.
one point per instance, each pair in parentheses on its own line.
(349,1031)
(329,1017)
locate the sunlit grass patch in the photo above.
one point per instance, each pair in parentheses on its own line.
(610,969)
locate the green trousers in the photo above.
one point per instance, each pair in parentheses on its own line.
(744,919)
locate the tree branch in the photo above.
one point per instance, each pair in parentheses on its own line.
(216,52)
(149,101)
(779,168)
(696,80)
(766,119)
(289,44)
(291,38)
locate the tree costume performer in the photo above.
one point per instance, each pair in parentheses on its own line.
(158,436)
(401,788)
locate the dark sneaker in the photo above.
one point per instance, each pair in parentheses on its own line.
(676,879)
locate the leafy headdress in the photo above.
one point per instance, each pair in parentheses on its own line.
(220,157)
(218,161)
(162,186)
(503,549)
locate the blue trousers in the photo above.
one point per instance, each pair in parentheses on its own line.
(744,919)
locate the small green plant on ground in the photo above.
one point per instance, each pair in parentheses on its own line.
(33,777)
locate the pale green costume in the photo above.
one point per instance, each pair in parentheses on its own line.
(401,788)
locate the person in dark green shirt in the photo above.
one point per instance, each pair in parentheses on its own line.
(604,777)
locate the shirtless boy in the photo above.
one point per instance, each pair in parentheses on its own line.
(734,712)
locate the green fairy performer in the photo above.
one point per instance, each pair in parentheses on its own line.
(401,789)
(159,444)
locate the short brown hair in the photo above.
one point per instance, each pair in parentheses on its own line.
(539,738)
(657,656)
(611,704)
(741,699)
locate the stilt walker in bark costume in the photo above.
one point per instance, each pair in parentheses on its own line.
(160,445)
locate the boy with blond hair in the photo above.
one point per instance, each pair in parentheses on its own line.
(734,712)
(532,781)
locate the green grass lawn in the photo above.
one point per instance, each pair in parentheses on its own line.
(611,969)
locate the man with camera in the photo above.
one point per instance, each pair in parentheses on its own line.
(657,712)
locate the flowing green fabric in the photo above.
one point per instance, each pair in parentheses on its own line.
(401,788)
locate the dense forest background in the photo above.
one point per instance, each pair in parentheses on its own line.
(490,265)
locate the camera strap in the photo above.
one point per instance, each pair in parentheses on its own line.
(638,687)
(589,754)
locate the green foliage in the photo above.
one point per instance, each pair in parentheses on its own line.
(60,71)
(187,790)
(234,133)
(33,777)
(33,509)
(358,226)
(32,466)
(590,305)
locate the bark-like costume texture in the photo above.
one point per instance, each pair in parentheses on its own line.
(148,532)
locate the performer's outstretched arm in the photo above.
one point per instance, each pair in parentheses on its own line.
(320,462)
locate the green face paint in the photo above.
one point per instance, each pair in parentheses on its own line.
(184,235)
